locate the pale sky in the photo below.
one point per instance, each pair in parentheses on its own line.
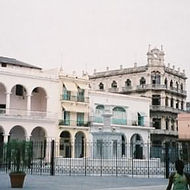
(93,34)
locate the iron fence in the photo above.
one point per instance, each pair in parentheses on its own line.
(101,159)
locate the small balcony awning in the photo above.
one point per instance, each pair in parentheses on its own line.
(82,86)
(142,114)
(76,108)
(70,86)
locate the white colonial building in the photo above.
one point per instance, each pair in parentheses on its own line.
(73,115)
(120,125)
(164,85)
(29,101)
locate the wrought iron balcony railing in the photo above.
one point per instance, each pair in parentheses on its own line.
(74,98)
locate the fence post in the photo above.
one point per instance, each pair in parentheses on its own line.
(132,158)
(52,163)
(148,151)
(167,160)
(116,161)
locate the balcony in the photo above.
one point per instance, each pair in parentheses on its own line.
(24,114)
(121,122)
(66,97)
(177,91)
(151,87)
(127,89)
(164,109)
(68,122)
(164,132)
(113,89)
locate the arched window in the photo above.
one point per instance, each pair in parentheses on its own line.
(101,86)
(181,86)
(98,114)
(119,116)
(142,81)
(128,83)
(155,77)
(177,104)
(171,84)
(177,85)
(172,102)
(166,101)
(166,82)
(66,94)
(114,84)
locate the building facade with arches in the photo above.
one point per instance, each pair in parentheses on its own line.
(73,116)
(164,85)
(120,125)
(28,102)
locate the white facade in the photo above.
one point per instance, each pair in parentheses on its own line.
(29,100)
(107,124)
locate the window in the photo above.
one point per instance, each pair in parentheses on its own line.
(177,85)
(66,117)
(167,124)
(172,124)
(156,99)
(98,114)
(128,83)
(157,123)
(3,65)
(119,116)
(142,81)
(177,104)
(80,119)
(19,90)
(66,94)
(101,86)
(114,84)
(140,120)
(182,105)
(166,101)
(80,95)
(155,77)
(172,102)
(166,82)
(171,84)
(181,86)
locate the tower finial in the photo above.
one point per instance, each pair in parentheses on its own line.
(149,46)
(161,47)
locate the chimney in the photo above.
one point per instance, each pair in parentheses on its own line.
(121,67)
(135,64)
(178,69)
(107,68)
(173,67)
(183,71)
(94,71)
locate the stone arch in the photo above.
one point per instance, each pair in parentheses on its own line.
(38,137)
(18,98)
(39,99)
(80,144)
(65,144)
(136,146)
(18,133)
(171,84)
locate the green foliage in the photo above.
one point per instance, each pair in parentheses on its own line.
(18,155)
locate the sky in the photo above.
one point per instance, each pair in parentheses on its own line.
(94,34)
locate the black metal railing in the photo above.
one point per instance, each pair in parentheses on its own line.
(101,158)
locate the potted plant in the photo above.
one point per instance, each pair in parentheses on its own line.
(18,157)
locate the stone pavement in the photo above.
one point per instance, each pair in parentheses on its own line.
(35,182)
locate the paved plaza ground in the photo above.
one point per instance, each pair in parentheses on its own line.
(34,182)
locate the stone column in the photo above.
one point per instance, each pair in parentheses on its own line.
(28,104)
(8,102)
(6,138)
